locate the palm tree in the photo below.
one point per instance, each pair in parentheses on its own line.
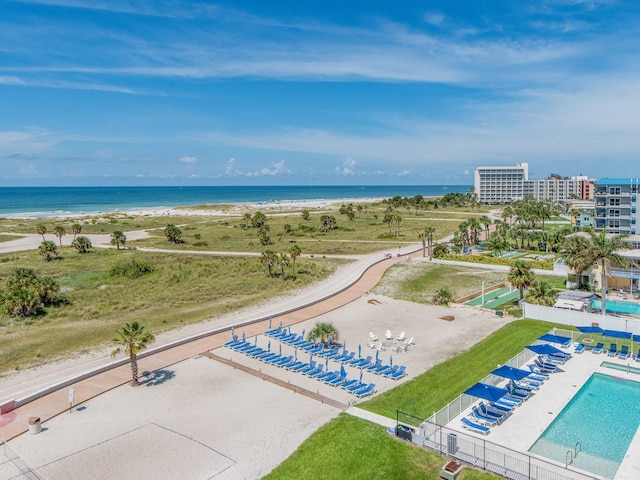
(520,276)
(269,258)
(541,293)
(283,262)
(76,228)
(60,232)
(286,229)
(41,229)
(604,249)
(294,252)
(323,332)
(429,231)
(132,338)
(442,296)
(573,251)
(118,238)
(474,228)
(486,222)
(463,231)
(48,250)
(82,244)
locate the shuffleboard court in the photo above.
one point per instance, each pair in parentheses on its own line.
(494,298)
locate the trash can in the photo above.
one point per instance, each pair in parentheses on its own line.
(452,444)
(34,425)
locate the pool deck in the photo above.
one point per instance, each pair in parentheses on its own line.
(521,430)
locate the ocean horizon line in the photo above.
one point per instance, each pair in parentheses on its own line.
(52,201)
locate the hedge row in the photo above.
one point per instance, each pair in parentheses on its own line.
(507,262)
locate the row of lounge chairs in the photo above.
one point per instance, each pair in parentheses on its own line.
(311,369)
(623,354)
(485,415)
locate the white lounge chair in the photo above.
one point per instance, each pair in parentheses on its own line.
(373,337)
(388,335)
(409,342)
(402,337)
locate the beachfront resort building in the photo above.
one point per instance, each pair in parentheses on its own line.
(504,184)
(617,204)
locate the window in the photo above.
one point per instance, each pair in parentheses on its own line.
(614,190)
(614,202)
(614,223)
(614,213)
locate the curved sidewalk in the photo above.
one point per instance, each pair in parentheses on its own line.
(92,384)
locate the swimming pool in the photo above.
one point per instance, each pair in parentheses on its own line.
(618,306)
(599,422)
(621,367)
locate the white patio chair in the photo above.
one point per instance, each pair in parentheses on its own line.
(388,335)
(402,337)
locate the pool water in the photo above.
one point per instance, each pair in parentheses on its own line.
(620,367)
(618,306)
(601,420)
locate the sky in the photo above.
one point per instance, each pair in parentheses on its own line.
(173,92)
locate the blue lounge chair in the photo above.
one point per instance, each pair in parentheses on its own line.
(347,358)
(613,351)
(503,407)
(579,348)
(490,411)
(518,392)
(375,366)
(624,352)
(356,387)
(332,354)
(326,376)
(598,348)
(522,386)
(334,382)
(317,372)
(349,383)
(402,371)
(530,382)
(271,356)
(231,342)
(296,366)
(536,373)
(290,360)
(309,368)
(511,400)
(545,367)
(475,427)
(391,371)
(368,390)
(481,418)
(366,363)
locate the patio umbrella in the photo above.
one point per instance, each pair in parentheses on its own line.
(310,357)
(296,354)
(377,355)
(555,339)
(590,329)
(269,346)
(486,392)
(328,342)
(280,349)
(390,360)
(243,335)
(359,350)
(270,323)
(313,337)
(303,330)
(326,363)
(344,347)
(233,330)
(511,373)
(280,324)
(616,334)
(544,349)
(361,370)
(255,342)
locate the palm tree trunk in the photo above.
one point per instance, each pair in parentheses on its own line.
(133,358)
(424,246)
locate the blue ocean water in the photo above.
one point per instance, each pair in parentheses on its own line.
(48,201)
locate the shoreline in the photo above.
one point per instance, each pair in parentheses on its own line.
(196,210)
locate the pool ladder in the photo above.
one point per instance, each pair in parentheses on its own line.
(572,455)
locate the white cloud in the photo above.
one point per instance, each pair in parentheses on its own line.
(187,159)
(434,18)
(277,168)
(347,167)
(231,170)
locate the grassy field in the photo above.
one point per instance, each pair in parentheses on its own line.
(349,447)
(8,238)
(182,289)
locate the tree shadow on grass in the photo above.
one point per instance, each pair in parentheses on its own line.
(157,378)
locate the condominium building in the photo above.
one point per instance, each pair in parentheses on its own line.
(500,185)
(617,204)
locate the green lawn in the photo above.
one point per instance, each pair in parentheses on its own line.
(8,238)
(354,449)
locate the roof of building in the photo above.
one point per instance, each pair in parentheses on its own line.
(617,181)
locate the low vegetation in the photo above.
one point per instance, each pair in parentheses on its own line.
(181,289)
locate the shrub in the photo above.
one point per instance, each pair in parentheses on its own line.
(26,294)
(131,269)
(507,262)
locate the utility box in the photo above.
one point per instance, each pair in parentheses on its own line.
(404,432)
(451,470)
(452,444)
(35,426)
